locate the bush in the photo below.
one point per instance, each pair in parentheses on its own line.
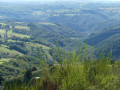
(28,75)
(1,79)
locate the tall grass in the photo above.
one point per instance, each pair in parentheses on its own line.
(75,73)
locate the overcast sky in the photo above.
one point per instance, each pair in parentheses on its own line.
(63,0)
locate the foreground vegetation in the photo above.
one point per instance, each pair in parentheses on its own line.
(73,72)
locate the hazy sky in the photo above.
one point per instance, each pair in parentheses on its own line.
(64,0)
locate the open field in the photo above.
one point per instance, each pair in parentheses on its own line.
(19,22)
(46,23)
(22,27)
(5,46)
(3,23)
(11,40)
(2,31)
(10,52)
(37,45)
(1,62)
(4,60)
(10,34)
(20,35)
(45,48)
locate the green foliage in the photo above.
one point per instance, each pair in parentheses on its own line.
(108,39)
(28,75)
(109,44)
(75,74)
(103,35)
(51,33)
(18,48)
(1,78)
(16,66)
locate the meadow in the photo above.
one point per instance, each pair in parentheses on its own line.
(22,27)
(3,60)
(11,53)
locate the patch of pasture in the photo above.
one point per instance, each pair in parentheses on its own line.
(22,27)
(46,23)
(3,60)
(38,45)
(9,52)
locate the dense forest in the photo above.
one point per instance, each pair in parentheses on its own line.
(49,39)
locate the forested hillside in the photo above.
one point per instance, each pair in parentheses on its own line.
(107,39)
(21,39)
(83,17)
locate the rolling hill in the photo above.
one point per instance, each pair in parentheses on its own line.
(107,40)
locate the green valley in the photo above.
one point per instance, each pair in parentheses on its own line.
(59,45)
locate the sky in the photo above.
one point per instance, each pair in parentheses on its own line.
(65,0)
